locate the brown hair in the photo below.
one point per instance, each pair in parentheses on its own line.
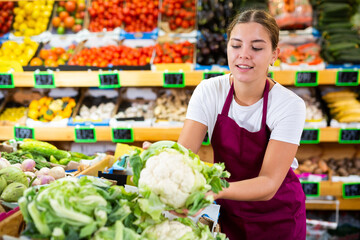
(259,16)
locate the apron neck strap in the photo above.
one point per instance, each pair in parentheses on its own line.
(229,98)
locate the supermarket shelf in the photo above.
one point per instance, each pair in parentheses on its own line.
(150,78)
(140,134)
(328,188)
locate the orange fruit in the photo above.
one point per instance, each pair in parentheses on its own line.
(44,54)
(36,62)
(63,15)
(56,22)
(69,22)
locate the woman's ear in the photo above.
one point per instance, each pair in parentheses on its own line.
(275,55)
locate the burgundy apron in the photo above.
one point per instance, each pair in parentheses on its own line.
(283,217)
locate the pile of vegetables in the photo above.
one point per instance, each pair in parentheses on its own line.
(171,177)
(105,212)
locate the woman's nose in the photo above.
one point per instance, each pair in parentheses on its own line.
(244,53)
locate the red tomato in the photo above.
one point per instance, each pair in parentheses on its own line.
(56,22)
(69,22)
(70,6)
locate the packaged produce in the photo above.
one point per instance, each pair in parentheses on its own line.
(13,115)
(291,14)
(32,17)
(7,16)
(69,17)
(173,178)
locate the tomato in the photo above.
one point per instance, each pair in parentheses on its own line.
(76,28)
(81,7)
(56,22)
(44,53)
(58,51)
(63,15)
(69,22)
(36,62)
(65,56)
(70,6)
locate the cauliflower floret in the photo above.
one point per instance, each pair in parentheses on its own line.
(168,176)
(169,230)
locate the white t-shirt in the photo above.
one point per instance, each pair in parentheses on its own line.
(285,114)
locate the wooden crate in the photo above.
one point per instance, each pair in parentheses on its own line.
(12,225)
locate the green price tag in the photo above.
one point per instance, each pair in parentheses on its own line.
(306,79)
(270,75)
(347,78)
(6,80)
(351,190)
(349,135)
(21,133)
(311,136)
(311,189)
(174,80)
(85,135)
(44,80)
(109,80)
(206,141)
(122,135)
(207,75)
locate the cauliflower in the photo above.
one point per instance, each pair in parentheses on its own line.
(168,175)
(172,177)
(181,228)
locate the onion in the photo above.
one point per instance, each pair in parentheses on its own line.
(4,163)
(36,182)
(18,165)
(28,165)
(57,172)
(45,179)
(43,171)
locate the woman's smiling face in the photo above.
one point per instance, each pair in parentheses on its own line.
(250,52)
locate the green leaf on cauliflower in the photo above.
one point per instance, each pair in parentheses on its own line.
(176,176)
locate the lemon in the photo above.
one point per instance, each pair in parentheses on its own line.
(21,12)
(35,14)
(29,32)
(19,18)
(21,3)
(22,61)
(17,34)
(28,8)
(17,52)
(46,13)
(31,23)
(16,10)
(22,27)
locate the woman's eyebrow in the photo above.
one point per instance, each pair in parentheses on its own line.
(256,40)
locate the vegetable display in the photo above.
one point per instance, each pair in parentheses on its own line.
(172,177)
(105,212)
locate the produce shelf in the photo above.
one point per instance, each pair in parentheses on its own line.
(148,78)
(327,134)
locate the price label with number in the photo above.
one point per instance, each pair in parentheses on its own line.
(311,189)
(306,79)
(349,135)
(44,80)
(270,75)
(347,78)
(206,140)
(174,80)
(122,135)
(6,80)
(85,135)
(351,190)
(310,136)
(21,133)
(207,75)
(109,80)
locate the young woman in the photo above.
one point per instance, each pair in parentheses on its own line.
(255,125)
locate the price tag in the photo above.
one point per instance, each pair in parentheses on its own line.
(351,190)
(85,135)
(311,189)
(347,78)
(306,79)
(349,135)
(310,136)
(44,80)
(174,80)
(122,135)
(270,75)
(21,133)
(6,80)
(206,140)
(109,80)
(207,75)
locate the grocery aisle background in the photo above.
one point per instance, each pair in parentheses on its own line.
(86,74)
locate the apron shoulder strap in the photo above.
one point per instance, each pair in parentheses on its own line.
(229,98)
(265,104)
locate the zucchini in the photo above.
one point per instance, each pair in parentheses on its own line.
(40,143)
(39,148)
